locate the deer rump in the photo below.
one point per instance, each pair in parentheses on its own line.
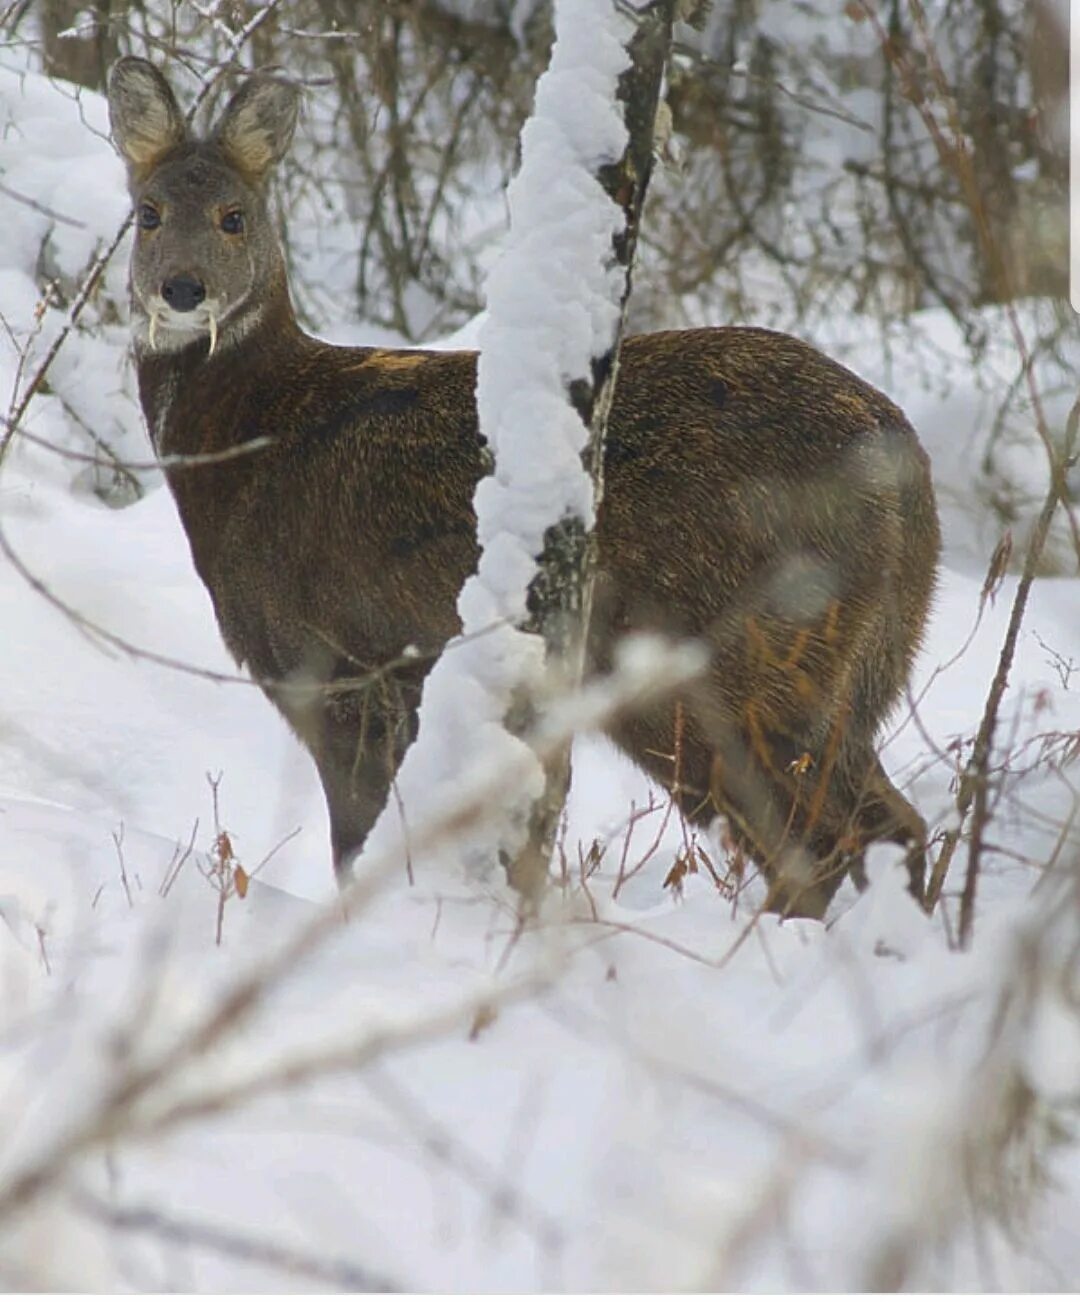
(759,497)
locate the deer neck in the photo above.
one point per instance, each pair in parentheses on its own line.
(205,412)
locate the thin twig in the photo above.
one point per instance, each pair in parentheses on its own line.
(42,208)
(255,1250)
(171,461)
(118,841)
(81,299)
(975,779)
(978,767)
(180,856)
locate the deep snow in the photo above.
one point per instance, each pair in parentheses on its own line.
(664,1107)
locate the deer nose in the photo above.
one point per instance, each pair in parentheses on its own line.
(183,293)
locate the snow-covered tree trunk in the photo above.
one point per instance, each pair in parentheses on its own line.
(560,596)
(547,367)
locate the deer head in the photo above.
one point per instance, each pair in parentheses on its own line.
(206,259)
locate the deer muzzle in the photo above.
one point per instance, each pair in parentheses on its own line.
(183,293)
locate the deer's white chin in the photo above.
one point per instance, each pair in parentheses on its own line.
(160,329)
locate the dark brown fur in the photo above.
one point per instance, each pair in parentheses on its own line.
(759,496)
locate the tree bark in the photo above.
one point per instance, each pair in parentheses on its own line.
(560,597)
(84,58)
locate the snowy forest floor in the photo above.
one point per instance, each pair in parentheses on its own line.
(653,1089)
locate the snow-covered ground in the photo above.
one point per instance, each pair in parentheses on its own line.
(647,1091)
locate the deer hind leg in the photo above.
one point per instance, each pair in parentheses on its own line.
(751,778)
(852,816)
(779,757)
(770,794)
(884,814)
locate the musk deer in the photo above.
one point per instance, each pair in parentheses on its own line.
(759,497)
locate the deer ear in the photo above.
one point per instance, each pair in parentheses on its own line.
(145,118)
(255,130)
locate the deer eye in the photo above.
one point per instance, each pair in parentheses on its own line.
(232,222)
(149,217)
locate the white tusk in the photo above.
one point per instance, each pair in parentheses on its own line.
(153,330)
(213,335)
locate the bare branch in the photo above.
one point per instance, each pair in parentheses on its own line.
(249,1248)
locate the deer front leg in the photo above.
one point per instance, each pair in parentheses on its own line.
(358,739)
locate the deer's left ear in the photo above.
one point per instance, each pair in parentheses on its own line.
(258,123)
(144,116)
